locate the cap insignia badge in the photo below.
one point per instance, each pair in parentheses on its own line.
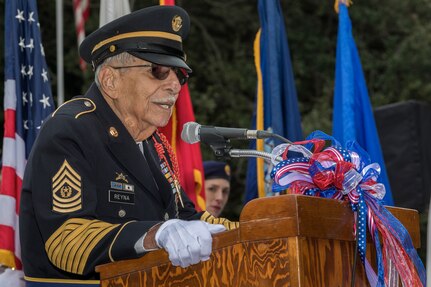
(177,23)
(227,170)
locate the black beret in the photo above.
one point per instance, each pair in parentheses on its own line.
(216,169)
(154,34)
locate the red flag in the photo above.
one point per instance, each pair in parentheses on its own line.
(81,9)
(167,2)
(189,155)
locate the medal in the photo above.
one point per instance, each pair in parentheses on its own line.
(177,187)
(173,171)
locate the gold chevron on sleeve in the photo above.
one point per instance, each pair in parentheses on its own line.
(66,189)
(69,247)
(208,217)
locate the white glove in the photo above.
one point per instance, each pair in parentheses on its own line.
(187,242)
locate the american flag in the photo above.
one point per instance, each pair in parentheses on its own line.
(27,102)
(81,9)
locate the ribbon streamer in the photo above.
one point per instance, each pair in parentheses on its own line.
(347,173)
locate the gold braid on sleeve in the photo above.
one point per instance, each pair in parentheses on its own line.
(207,217)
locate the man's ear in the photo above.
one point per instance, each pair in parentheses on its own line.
(108,81)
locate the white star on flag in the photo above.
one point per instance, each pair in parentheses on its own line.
(24,98)
(23,72)
(30,71)
(45,101)
(42,51)
(31,45)
(31,98)
(21,43)
(44,75)
(20,16)
(30,17)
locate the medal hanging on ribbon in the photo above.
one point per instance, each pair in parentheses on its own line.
(171,172)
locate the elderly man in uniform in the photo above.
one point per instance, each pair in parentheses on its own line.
(101,183)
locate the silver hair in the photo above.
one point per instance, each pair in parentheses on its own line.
(121,59)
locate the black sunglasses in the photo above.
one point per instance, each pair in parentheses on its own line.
(162,72)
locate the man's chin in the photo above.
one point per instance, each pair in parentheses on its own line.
(163,123)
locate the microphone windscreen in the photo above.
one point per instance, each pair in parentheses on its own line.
(190,133)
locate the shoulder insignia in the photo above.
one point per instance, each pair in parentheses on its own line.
(66,190)
(77,106)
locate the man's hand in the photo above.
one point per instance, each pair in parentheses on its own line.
(187,242)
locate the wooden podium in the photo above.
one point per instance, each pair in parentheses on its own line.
(288,240)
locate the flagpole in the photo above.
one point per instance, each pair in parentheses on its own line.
(60,66)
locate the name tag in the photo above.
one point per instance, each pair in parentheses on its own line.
(121,197)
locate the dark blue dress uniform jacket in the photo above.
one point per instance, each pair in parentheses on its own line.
(89,193)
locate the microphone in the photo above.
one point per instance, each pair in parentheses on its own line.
(194,132)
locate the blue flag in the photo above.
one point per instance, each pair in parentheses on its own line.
(27,102)
(277,102)
(353,115)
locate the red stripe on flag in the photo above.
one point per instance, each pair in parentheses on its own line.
(9,123)
(86,11)
(80,26)
(18,263)
(7,235)
(81,10)
(11,184)
(7,244)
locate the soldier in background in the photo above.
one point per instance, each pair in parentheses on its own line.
(217,186)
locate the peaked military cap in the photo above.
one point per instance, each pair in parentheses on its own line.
(216,169)
(154,34)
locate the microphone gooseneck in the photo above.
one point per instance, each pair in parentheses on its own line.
(255,153)
(218,138)
(193,132)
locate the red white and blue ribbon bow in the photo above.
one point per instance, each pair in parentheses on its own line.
(310,168)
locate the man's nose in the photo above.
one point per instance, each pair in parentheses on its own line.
(173,82)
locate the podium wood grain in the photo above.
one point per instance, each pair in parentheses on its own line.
(289,240)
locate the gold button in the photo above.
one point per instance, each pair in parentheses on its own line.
(121,213)
(112,48)
(166,216)
(87,104)
(113,132)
